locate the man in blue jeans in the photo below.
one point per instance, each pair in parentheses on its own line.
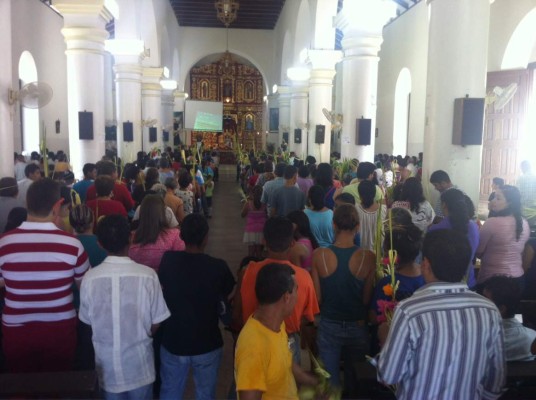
(194,284)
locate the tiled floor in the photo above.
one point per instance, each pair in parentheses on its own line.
(225,241)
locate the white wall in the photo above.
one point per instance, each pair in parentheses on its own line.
(405,45)
(256,45)
(36,28)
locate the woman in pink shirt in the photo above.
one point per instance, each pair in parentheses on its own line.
(503,237)
(153,236)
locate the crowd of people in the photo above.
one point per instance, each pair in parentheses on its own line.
(123,250)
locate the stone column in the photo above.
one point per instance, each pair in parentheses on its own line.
(320,96)
(284,113)
(168,101)
(298,117)
(128,104)
(151,107)
(362,22)
(456,67)
(7,112)
(84,32)
(178,106)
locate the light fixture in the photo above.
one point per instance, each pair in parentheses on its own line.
(168,84)
(274,88)
(226,11)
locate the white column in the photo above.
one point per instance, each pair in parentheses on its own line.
(456,67)
(109,88)
(284,113)
(128,104)
(151,107)
(299,107)
(168,101)
(320,96)
(361,22)
(84,32)
(7,112)
(180,98)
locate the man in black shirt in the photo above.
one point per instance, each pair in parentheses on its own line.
(193,283)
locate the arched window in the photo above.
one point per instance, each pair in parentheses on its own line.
(29,119)
(402,108)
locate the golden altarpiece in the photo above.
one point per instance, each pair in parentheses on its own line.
(240,88)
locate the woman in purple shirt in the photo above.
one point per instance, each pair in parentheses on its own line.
(503,237)
(457,217)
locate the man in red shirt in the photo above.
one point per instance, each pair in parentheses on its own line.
(38,264)
(120,191)
(278,238)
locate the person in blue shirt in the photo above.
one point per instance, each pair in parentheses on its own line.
(90,173)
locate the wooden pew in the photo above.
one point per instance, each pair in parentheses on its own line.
(52,385)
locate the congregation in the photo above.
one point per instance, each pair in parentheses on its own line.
(346,259)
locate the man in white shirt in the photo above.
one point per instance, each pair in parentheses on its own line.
(123,303)
(33,174)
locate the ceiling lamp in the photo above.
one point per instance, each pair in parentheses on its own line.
(227,11)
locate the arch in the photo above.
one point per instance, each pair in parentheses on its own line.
(30,118)
(212,57)
(286,56)
(401,114)
(521,43)
(302,37)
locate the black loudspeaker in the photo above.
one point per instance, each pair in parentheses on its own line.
(128,132)
(468,124)
(165,135)
(176,139)
(110,133)
(152,135)
(297,135)
(85,125)
(363,131)
(285,137)
(320,134)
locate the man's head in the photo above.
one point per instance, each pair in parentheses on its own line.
(446,256)
(290,174)
(525,166)
(344,198)
(280,169)
(8,187)
(276,284)
(171,184)
(365,170)
(104,185)
(32,172)
(107,168)
(113,234)
(90,171)
(194,230)
(278,233)
(43,198)
(441,180)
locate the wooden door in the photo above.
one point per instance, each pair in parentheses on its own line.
(503,129)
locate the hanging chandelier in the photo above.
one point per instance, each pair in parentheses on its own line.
(226,11)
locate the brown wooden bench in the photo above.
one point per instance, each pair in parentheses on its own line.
(51,385)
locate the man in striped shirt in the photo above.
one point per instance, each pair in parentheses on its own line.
(444,342)
(38,264)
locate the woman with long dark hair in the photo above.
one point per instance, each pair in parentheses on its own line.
(301,254)
(458,217)
(154,236)
(412,198)
(368,210)
(324,179)
(320,217)
(503,237)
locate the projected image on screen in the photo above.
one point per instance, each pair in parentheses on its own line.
(203,115)
(205,121)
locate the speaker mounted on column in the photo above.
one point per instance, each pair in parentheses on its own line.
(320,134)
(468,124)
(363,132)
